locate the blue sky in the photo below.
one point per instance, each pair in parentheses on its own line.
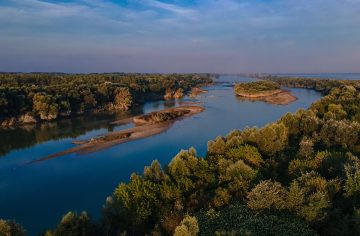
(225,36)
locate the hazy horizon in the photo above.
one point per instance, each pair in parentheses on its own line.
(173,36)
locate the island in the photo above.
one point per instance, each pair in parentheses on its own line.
(264,90)
(145,126)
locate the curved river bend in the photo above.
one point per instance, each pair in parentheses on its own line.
(39,194)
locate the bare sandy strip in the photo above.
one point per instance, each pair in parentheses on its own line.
(170,114)
(277,97)
(117,137)
(283,98)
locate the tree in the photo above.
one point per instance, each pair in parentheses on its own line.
(187,227)
(44,105)
(233,142)
(217,146)
(306,147)
(310,196)
(11,228)
(123,99)
(267,195)
(73,225)
(236,177)
(133,204)
(352,182)
(272,138)
(89,100)
(249,154)
(335,111)
(154,172)
(340,133)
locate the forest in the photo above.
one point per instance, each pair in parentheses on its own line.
(297,176)
(32,97)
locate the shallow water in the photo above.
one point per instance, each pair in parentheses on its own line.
(37,195)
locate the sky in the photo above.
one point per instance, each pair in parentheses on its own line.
(166,36)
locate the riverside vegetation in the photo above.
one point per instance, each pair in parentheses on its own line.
(27,98)
(297,176)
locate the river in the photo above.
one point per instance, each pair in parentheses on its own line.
(38,195)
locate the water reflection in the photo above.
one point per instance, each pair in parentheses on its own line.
(30,135)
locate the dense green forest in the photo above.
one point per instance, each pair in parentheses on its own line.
(30,97)
(297,176)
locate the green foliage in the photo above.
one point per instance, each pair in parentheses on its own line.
(188,227)
(44,105)
(154,172)
(256,87)
(301,123)
(73,225)
(340,133)
(123,99)
(249,154)
(267,195)
(272,139)
(306,147)
(310,196)
(236,176)
(136,201)
(239,220)
(11,228)
(352,182)
(233,141)
(217,147)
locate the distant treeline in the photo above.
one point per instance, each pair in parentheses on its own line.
(321,85)
(27,97)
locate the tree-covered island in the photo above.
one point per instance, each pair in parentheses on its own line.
(265,90)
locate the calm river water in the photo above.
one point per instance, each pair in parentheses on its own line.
(38,195)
